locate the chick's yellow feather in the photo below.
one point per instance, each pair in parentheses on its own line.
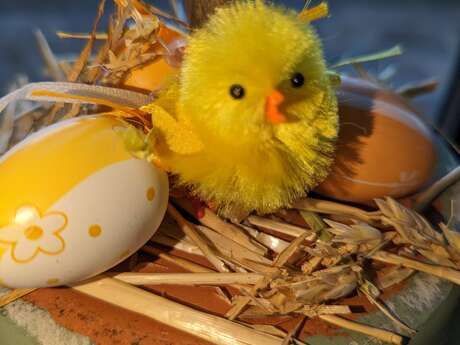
(179,136)
(243,161)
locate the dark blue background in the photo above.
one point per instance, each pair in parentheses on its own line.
(428,30)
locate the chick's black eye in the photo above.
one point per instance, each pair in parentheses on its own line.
(237,91)
(297,80)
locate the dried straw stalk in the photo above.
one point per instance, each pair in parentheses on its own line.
(205,326)
(14,295)
(192,233)
(412,90)
(288,229)
(357,327)
(286,254)
(82,60)
(173,243)
(388,313)
(230,248)
(237,308)
(274,243)
(435,270)
(293,332)
(50,60)
(81,36)
(268,329)
(335,208)
(185,264)
(315,310)
(427,197)
(231,231)
(188,278)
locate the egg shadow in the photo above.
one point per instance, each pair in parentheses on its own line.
(356,124)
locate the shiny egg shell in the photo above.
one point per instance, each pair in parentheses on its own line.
(384,149)
(74,203)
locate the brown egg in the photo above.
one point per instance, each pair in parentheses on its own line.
(153,75)
(384,149)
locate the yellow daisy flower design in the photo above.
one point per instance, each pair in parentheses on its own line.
(33,233)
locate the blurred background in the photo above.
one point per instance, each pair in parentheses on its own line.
(428,30)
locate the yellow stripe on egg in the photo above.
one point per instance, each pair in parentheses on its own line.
(56,160)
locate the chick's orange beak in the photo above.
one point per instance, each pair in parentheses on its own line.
(272,111)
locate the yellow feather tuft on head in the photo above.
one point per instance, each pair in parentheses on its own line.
(250,64)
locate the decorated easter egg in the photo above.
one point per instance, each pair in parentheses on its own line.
(74,203)
(384,149)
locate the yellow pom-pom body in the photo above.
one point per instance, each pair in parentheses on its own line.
(247,163)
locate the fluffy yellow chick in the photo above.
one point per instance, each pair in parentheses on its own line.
(252,121)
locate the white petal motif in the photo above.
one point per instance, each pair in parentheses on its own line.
(10,234)
(52,223)
(24,250)
(51,245)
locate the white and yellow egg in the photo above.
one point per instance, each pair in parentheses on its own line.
(74,203)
